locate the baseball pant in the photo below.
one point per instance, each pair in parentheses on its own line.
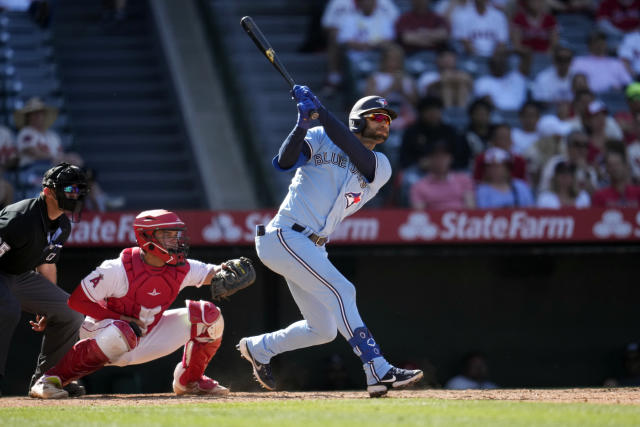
(326,299)
(171,333)
(32,293)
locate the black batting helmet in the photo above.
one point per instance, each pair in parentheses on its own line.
(69,183)
(365,105)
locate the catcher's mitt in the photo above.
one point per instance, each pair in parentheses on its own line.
(235,274)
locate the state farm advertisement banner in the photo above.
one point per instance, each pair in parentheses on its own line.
(390,226)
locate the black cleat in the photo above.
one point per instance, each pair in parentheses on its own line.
(261,372)
(395,378)
(74,389)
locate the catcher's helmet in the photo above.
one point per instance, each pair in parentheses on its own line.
(146,225)
(365,105)
(69,183)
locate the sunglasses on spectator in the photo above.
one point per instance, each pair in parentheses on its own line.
(580,143)
(379,117)
(563,59)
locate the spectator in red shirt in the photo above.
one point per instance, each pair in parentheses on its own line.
(501,138)
(617,17)
(533,29)
(620,193)
(441,188)
(421,29)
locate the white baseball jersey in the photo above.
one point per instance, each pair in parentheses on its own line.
(328,187)
(48,142)
(109,280)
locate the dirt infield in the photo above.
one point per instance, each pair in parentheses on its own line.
(630,396)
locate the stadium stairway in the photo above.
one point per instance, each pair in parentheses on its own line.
(121,106)
(264,93)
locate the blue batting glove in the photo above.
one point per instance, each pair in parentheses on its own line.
(305,106)
(300,92)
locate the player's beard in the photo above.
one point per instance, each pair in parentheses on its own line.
(378,136)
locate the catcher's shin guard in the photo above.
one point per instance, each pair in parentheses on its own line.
(207,325)
(91,354)
(84,358)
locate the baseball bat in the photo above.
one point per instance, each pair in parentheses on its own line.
(265,47)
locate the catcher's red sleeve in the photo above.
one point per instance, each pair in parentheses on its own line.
(82,304)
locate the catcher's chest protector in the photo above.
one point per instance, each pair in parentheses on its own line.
(151,289)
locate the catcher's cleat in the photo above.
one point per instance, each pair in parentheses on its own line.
(74,389)
(395,378)
(204,386)
(48,388)
(261,371)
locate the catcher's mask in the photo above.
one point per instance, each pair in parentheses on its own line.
(69,183)
(151,229)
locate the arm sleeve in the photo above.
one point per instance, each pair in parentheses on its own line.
(293,151)
(79,302)
(363,158)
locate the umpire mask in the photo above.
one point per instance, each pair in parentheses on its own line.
(69,183)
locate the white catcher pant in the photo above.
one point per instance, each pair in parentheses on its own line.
(171,333)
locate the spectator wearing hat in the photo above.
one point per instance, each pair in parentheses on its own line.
(564,191)
(418,139)
(441,188)
(551,133)
(498,188)
(620,192)
(586,177)
(553,84)
(454,86)
(500,137)
(39,147)
(604,73)
(36,141)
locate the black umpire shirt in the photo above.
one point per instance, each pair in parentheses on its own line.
(28,238)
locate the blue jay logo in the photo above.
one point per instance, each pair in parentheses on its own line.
(352,198)
(383,102)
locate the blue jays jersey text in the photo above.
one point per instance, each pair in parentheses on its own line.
(328,187)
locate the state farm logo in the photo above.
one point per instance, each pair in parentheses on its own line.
(418,226)
(223,228)
(517,225)
(356,229)
(613,224)
(101,230)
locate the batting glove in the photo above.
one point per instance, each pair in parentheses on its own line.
(305,106)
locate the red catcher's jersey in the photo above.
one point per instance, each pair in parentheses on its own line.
(151,289)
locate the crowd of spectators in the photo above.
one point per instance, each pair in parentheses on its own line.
(30,147)
(502,103)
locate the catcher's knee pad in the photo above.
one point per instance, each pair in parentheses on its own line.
(364,345)
(116,339)
(207,323)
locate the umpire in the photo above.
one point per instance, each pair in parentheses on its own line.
(32,233)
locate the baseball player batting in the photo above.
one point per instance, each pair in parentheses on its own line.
(337,172)
(126,300)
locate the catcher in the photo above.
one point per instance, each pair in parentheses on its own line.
(126,300)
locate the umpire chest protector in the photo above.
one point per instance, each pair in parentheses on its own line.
(151,289)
